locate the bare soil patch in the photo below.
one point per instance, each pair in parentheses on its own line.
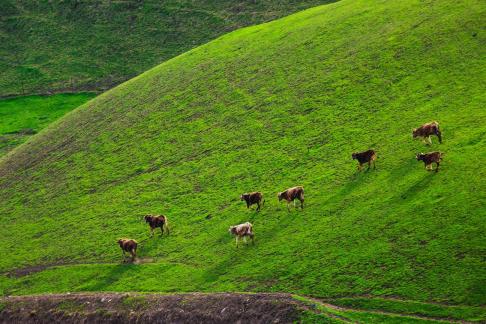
(151,308)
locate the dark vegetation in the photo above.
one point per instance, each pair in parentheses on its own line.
(65,46)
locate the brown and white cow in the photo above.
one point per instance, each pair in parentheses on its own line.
(253,198)
(365,157)
(292,194)
(155,221)
(128,245)
(427,130)
(429,158)
(242,231)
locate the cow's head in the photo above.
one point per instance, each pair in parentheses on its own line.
(414,133)
(279,195)
(420,156)
(232,230)
(120,242)
(353,156)
(243,196)
(148,218)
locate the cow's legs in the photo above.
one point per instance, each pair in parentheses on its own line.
(162,230)
(288,203)
(237,237)
(439,136)
(360,167)
(302,203)
(369,165)
(429,140)
(295,203)
(437,168)
(258,208)
(151,231)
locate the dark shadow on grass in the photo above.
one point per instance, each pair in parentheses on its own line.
(110,277)
(400,173)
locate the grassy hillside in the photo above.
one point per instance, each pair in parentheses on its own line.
(265,108)
(22,117)
(91,45)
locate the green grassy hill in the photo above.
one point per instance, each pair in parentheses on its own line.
(265,108)
(92,45)
(22,117)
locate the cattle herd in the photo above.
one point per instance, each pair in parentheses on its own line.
(242,231)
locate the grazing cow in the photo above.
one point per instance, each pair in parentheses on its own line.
(291,194)
(365,157)
(253,198)
(427,130)
(242,231)
(128,245)
(155,221)
(429,158)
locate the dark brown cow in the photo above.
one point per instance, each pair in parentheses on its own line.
(253,198)
(429,158)
(128,245)
(427,130)
(291,194)
(242,231)
(155,221)
(365,157)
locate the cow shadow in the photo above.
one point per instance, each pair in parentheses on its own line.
(416,186)
(115,274)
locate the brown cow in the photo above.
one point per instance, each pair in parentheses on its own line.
(429,158)
(253,198)
(365,157)
(155,221)
(427,130)
(291,194)
(242,231)
(128,245)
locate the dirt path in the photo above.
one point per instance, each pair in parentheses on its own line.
(151,308)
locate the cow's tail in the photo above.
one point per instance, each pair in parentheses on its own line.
(250,227)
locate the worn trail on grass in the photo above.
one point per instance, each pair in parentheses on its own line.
(380,312)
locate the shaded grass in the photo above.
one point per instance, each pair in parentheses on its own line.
(265,108)
(85,45)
